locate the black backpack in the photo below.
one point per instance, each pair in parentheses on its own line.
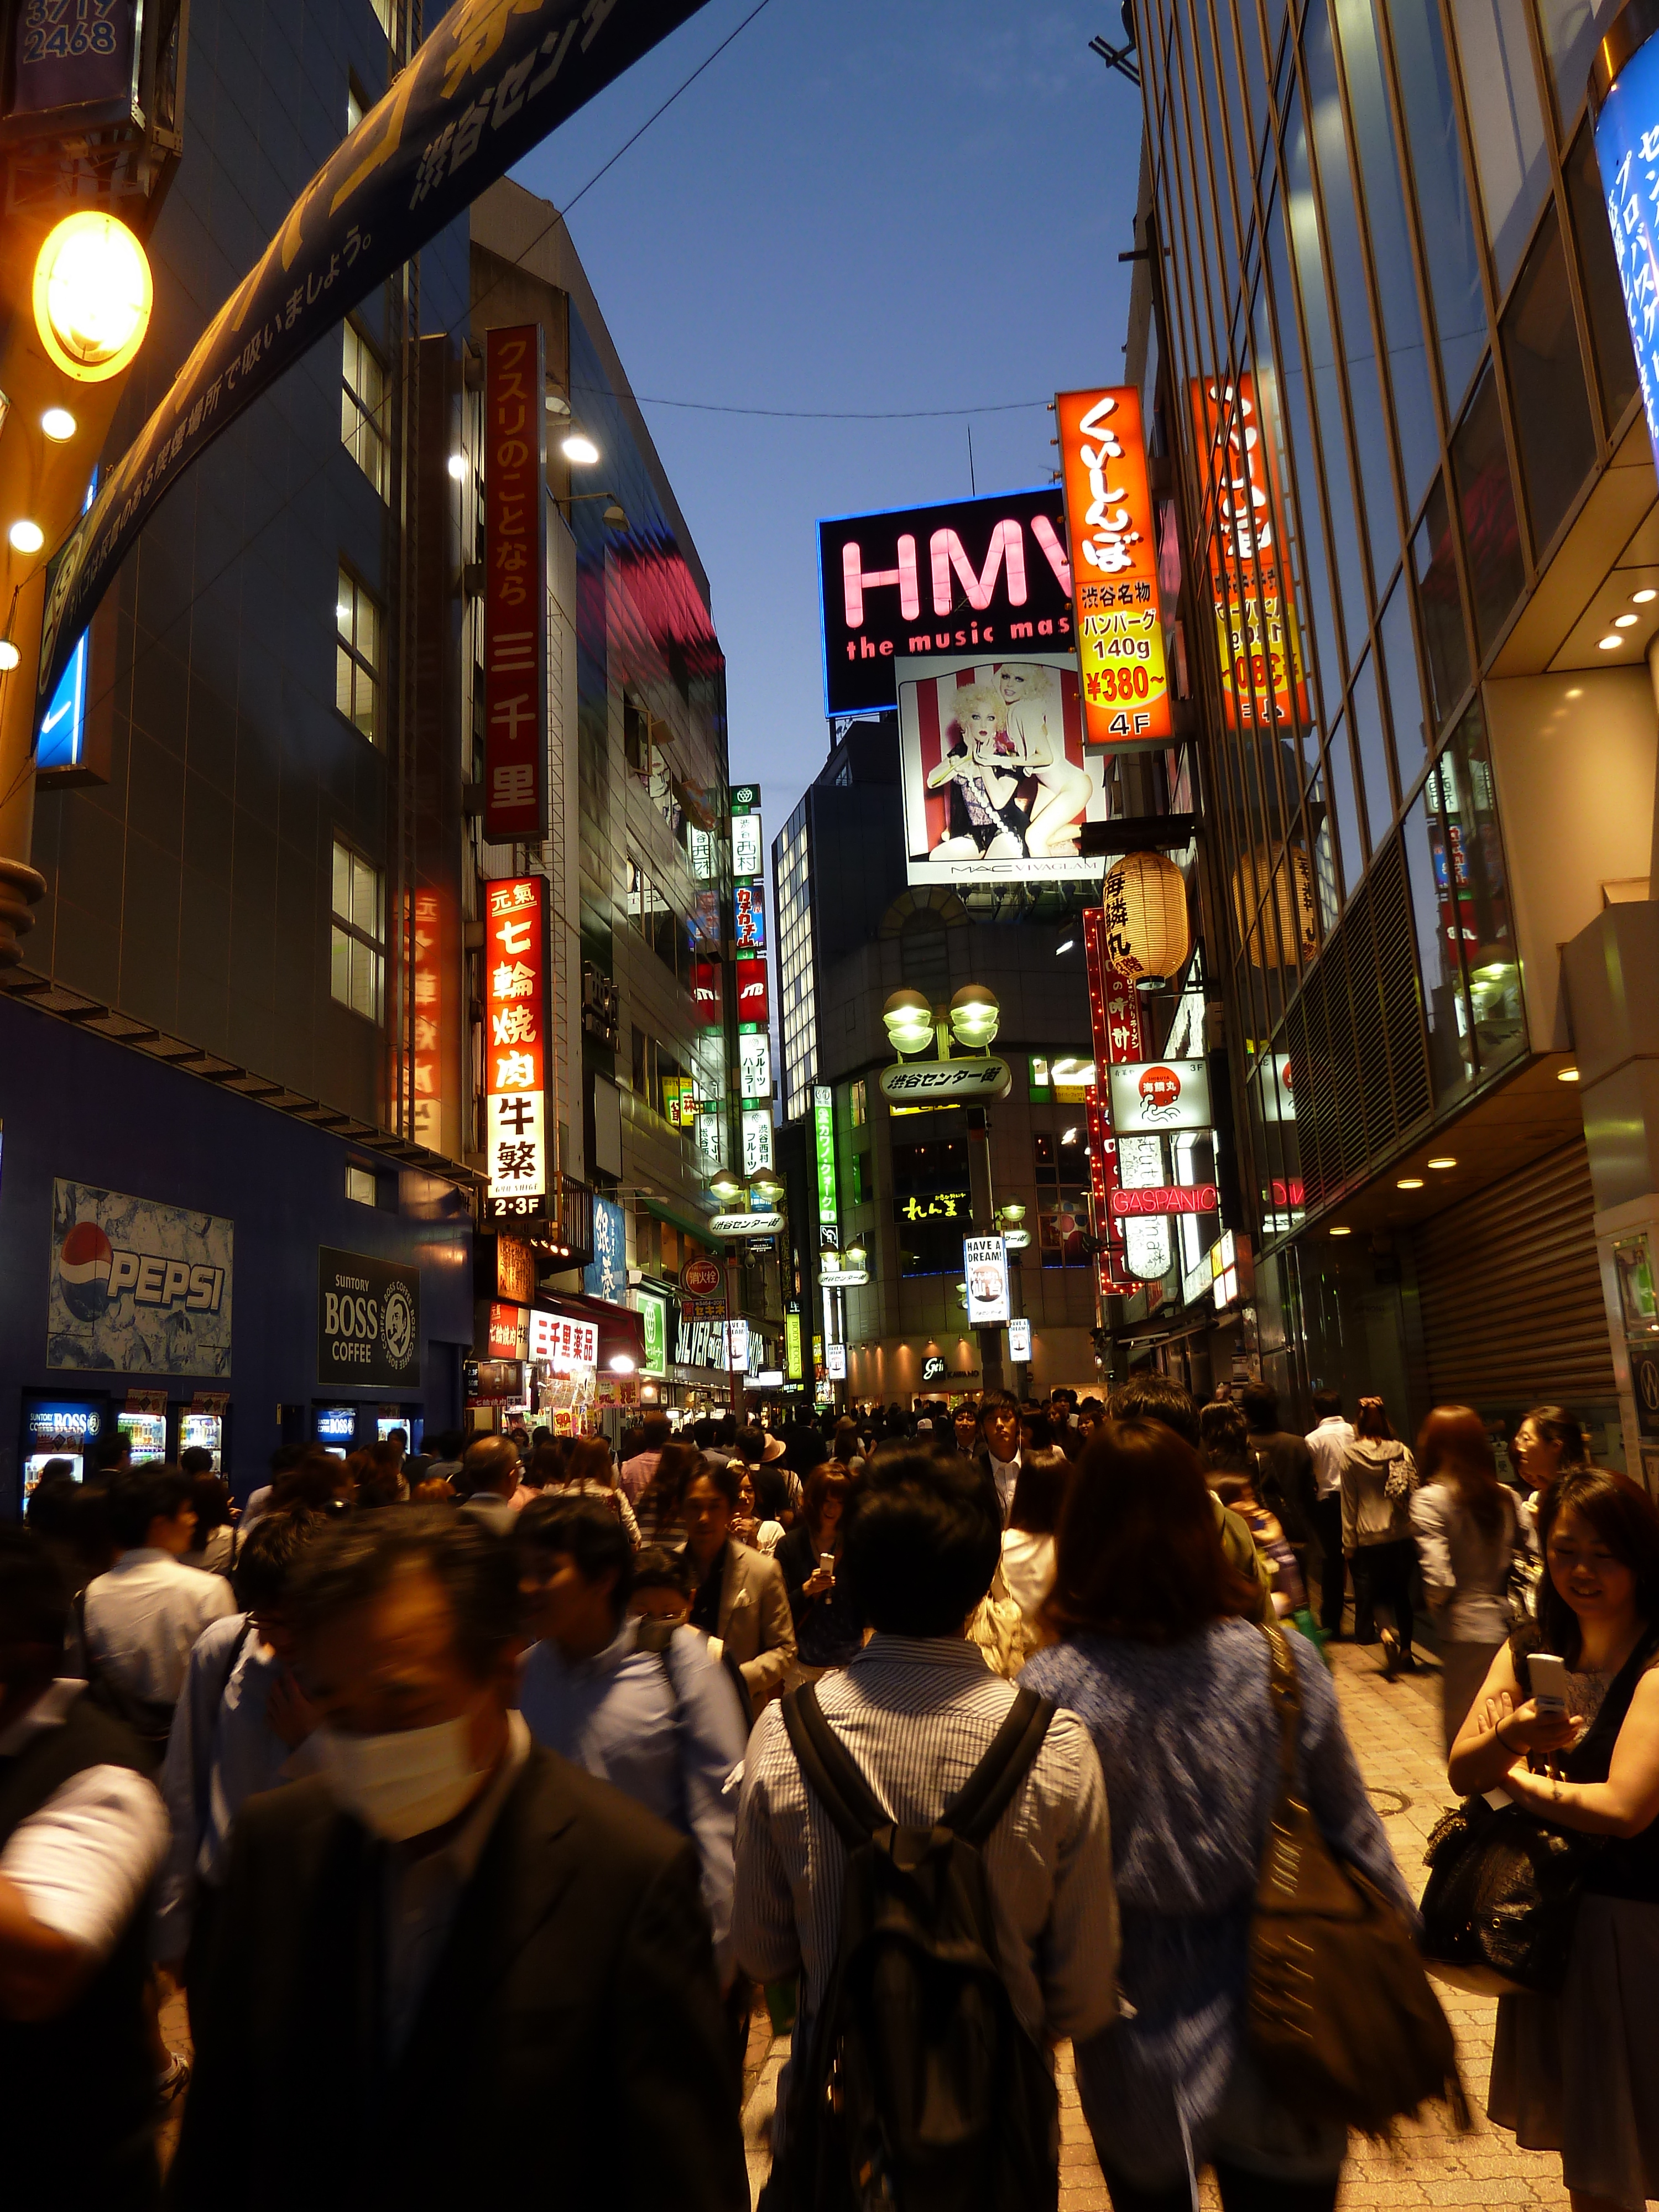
(923,2092)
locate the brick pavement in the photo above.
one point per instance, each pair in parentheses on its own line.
(1395,1732)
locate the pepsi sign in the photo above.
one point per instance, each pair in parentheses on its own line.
(137,1287)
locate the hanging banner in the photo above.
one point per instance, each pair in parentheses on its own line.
(515,1017)
(515,585)
(494,78)
(1109,516)
(1260,652)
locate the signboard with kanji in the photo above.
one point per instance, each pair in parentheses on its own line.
(515,585)
(563,1343)
(515,1026)
(1109,516)
(1262,678)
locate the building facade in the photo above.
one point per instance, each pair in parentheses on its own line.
(1391,372)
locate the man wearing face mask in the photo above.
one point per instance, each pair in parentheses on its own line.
(501,1968)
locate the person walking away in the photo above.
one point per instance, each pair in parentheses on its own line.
(1328,1443)
(1547,1442)
(1156,1398)
(1159,1654)
(481,1952)
(489,1471)
(916,1710)
(740,1598)
(242,1724)
(1379,1478)
(656,1512)
(1285,1484)
(999,1455)
(139,1620)
(1575,2073)
(829,1629)
(588,1473)
(656,1430)
(82,1834)
(644,1706)
(1467,1528)
(1027,1565)
(213,1544)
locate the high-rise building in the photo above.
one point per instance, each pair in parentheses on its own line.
(1390,364)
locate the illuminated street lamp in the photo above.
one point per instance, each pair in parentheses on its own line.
(908,1020)
(975,1015)
(725,1185)
(93,296)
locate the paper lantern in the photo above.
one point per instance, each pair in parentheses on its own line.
(1148,933)
(1287,883)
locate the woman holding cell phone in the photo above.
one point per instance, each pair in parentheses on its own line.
(1567,1723)
(827,1630)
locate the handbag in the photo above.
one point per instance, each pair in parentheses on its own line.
(1342,2021)
(1502,1899)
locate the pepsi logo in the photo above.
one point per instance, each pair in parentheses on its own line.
(84,1260)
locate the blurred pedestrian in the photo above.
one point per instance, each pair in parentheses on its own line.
(240,1726)
(829,1629)
(1379,1476)
(1575,2072)
(81,1835)
(657,1510)
(1327,1443)
(643,1706)
(1159,1656)
(660,1586)
(740,1599)
(1157,1398)
(1547,1441)
(489,1469)
(1468,1532)
(1286,1482)
(213,1544)
(139,1621)
(478,1950)
(965,1422)
(585,1471)
(656,1430)
(1028,1541)
(917,1709)
(748,1525)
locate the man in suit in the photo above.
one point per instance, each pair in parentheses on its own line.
(740,1597)
(452,1968)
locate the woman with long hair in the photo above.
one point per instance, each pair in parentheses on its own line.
(1028,1541)
(1379,1477)
(1157,1651)
(1547,1441)
(1468,1531)
(583,1469)
(1575,2073)
(214,1546)
(828,1628)
(657,1509)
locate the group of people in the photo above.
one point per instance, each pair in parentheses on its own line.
(471,1823)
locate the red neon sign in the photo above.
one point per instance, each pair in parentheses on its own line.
(1171,1198)
(515,585)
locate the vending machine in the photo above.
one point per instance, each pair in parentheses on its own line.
(336,1429)
(203,1432)
(146,1434)
(411,1424)
(57,1426)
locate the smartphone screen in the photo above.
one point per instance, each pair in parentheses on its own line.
(1549,1681)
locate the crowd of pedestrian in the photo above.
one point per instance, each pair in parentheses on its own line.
(488,1786)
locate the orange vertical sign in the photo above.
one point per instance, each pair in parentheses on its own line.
(515,1070)
(1262,678)
(1109,519)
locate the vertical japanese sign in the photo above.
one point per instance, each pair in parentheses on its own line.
(1626,112)
(428,1020)
(515,587)
(515,1025)
(792,1346)
(1115,1018)
(1109,519)
(824,1147)
(1262,678)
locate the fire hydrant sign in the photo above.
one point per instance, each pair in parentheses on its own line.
(515,587)
(515,1070)
(1109,527)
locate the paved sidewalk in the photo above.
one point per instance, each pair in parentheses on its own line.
(1395,1732)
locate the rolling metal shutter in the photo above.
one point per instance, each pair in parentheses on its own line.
(1510,1292)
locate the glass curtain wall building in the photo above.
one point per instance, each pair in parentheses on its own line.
(1391,361)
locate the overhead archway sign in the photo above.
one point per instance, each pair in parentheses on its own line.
(944,1082)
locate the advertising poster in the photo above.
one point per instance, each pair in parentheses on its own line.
(515,584)
(997,785)
(654,1320)
(135,1287)
(752,996)
(749,917)
(368,1322)
(984,1263)
(1019,1341)
(1113,548)
(1259,653)
(1153,1096)
(606,1275)
(754,1064)
(515,1009)
(747,851)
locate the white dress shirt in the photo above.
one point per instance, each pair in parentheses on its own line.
(1329,1444)
(85,1859)
(1005,1473)
(143,1617)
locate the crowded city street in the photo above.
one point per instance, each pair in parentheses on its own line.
(829,1325)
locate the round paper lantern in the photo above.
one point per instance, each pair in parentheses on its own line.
(1287,883)
(1148,932)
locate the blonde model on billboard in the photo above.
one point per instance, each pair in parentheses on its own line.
(985,821)
(1036,745)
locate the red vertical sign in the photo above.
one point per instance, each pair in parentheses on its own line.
(516,1066)
(515,587)
(429,1022)
(1115,1018)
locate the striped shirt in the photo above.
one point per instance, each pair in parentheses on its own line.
(917,1716)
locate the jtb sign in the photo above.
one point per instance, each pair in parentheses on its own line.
(941,579)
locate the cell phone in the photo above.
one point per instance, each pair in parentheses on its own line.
(827,1563)
(1549,1681)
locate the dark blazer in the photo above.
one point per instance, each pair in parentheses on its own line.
(570,2048)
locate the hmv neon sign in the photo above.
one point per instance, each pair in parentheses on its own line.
(941,580)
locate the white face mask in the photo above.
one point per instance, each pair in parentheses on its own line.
(401,1785)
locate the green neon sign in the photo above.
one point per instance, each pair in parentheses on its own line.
(823,1140)
(653,1313)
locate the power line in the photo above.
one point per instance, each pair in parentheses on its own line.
(843,414)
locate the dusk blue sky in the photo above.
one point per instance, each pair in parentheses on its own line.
(874,205)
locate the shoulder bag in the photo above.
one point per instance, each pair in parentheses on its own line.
(1343,2024)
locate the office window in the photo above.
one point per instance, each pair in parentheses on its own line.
(357,958)
(1572,29)
(362,1186)
(1546,386)
(363,409)
(1604,299)
(1442,192)
(1491,533)
(386,15)
(1441,605)
(1405,691)
(858,1095)
(1366,713)
(1436,872)
(354,105)
(1485,925)
(1505,122)
(357,658)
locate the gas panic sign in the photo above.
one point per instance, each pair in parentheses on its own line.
(515,585)
(1109,514)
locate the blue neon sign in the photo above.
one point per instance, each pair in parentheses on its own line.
(62,728)
(1627,154)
